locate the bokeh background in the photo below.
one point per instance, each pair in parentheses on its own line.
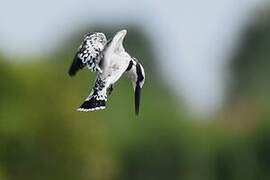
(205,104)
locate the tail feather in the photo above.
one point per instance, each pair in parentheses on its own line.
(93,103)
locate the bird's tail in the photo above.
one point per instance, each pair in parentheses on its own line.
(95,101)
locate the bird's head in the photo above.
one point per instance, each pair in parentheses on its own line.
(138,84)
(140,74)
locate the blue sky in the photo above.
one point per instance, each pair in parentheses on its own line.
(194,39)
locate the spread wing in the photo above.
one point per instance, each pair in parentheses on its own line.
(89,53)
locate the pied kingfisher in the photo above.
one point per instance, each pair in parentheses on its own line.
(110,61)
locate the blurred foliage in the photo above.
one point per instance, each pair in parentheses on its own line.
(250,66)
(43,136)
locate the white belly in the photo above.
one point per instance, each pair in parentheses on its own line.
(114,66)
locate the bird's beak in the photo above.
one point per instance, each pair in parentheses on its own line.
(137,98)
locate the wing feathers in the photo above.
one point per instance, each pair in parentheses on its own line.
(76,65)
(89,53)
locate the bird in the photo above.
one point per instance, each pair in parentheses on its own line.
(109,60)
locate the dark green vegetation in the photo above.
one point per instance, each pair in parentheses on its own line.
(42,136)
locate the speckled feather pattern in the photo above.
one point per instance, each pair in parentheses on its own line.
(110,61)
(90,51)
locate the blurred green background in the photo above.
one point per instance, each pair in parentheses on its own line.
(42,136)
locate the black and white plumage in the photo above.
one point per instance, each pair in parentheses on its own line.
(110,61)
(89,53)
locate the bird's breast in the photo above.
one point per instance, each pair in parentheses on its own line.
(114,67)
